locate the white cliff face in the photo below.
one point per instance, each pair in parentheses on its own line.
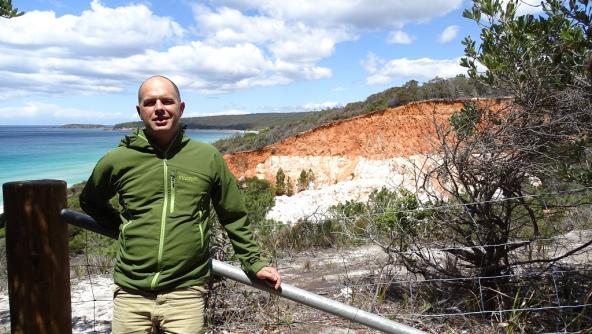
(327,170)
(363,177)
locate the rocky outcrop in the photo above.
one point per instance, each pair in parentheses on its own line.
(333,151)
(350,158)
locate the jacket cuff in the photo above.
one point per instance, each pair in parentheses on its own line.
(254,267)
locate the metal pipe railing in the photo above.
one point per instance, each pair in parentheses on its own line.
(287,291)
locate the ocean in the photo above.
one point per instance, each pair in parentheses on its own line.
(45,152)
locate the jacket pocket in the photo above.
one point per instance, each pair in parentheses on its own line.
(173,190)
(123,228)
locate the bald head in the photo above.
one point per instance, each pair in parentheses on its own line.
(160,77)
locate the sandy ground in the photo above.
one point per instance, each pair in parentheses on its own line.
(91,306)
(92,301)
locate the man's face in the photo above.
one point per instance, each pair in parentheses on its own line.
(160,108)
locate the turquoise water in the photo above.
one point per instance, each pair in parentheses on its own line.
(37,152)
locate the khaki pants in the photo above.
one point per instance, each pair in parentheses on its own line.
(177,312)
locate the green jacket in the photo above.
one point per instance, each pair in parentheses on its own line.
(164,199)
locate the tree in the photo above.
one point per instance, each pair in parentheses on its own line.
(411,88)
(487,153)
(546,64)
(7,11)
(283,185)
(304,180)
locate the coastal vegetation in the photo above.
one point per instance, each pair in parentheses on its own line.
(84,126)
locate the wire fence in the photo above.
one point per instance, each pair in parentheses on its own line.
(547,297)
(234,308)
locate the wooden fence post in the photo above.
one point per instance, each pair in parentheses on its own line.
(37,257)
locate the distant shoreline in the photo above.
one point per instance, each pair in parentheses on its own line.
(85,126)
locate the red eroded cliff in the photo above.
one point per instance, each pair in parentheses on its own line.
(398,132)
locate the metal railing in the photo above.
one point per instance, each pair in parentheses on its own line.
(286,291)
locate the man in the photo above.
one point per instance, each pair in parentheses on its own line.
(164,183)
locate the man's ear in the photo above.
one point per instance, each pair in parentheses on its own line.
(138,110)
(181,108)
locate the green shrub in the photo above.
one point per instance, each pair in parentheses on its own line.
(259,198)
(304,180)
(283,184)
(306,234)
(349,209)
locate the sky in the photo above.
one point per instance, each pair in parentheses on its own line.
(81,61)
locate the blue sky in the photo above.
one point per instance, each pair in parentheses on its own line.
(68,61)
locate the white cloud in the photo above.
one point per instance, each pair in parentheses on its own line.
(99,31)
(49,113)
(220,113)
(229,26)
(45,54)
(320,106)
(357,13)
(448,34)
(234,45)
(371,63)
(287,42)
(526,6)
(400,37)
(406,69)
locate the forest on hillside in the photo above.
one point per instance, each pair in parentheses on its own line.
(459,87)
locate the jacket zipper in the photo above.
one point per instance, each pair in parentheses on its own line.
(164,214)
(162,223)
(167,192)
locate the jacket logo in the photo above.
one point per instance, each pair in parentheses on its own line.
(186,178)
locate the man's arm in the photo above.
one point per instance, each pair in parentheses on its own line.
(229,205)
(95,196)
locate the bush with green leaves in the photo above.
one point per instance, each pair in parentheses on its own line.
(395,217)
(259,198)
(389,218)
(464,122)
(7,11)
(545,63)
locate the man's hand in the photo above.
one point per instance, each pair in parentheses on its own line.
(271,276)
